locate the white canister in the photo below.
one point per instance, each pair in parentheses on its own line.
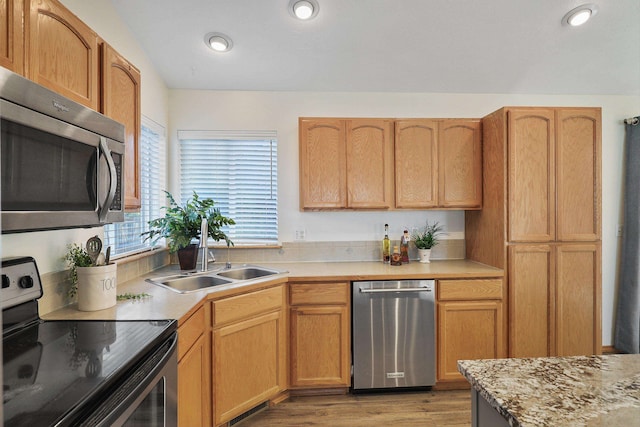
(97,287)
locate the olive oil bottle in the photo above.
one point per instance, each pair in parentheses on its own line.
(386,245)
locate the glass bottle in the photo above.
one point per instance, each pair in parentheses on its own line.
(404,247)
(395,257)
(386,245)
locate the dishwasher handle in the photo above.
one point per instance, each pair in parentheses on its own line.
(390,290)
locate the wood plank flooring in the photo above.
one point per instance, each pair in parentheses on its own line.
(428,408)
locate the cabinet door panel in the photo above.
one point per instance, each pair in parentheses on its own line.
(531,176)
(193,383)
(460,164)
(320,346)
(322,164)
(248,366)
(416,163)
(531,272)
(369,163)
(578,174)
(11,35)
(121,102)
(578,309)
(468,330)
(62,52)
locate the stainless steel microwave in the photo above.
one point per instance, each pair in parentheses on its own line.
(62,164)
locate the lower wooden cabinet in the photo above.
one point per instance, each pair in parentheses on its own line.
(249,351)
(470,324)
(554,299)
(320,335)
(194,371)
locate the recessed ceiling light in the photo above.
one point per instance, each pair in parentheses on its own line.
(580,15)
(218,42)
(303,9)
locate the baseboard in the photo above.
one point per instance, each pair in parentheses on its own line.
(609,349)
(319,391)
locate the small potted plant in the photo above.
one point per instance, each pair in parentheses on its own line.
(92,279)
(181,226)
(426,238)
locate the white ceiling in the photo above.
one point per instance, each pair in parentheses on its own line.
(463,46)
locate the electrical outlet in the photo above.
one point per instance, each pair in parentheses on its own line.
(300,235)
(619,230)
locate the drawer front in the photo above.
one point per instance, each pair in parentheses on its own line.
(474,289)
(319,293)
(190,331)
(247,305)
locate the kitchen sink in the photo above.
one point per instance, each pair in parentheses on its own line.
(198,281)
(194,283)
(247,273)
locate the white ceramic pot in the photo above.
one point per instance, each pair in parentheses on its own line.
(425,255)
(97,287)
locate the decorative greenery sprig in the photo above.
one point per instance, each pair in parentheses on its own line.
(428,236)
(181,224)
(76,257)
(130,296)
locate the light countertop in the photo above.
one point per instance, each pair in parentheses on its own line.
(166,304)
(560,391)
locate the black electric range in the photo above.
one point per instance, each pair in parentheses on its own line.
(79,372)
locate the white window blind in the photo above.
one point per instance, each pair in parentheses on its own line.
(238,170)
(125,237)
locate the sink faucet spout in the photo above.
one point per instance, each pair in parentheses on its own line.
(204,234)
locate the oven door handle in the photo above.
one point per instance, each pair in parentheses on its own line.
(390,290)
(113,183)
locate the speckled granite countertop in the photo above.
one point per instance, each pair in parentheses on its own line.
(560,391)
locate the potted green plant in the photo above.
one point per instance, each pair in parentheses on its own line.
(426,238)
(92,280)
(181,226)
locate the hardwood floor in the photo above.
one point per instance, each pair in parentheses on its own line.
(428,408)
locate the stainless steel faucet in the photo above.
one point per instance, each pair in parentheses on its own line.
(204,235)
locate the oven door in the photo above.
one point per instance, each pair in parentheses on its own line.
(55,174)
(148,395)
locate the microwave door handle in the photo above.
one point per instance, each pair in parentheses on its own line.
(104,209)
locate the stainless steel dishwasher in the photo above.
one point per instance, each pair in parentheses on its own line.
(393,325)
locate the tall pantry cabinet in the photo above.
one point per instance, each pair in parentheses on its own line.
(541,223)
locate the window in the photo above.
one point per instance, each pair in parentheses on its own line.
(238,170)
(124,237)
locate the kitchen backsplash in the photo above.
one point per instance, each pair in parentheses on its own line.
(56,284)
(333,252)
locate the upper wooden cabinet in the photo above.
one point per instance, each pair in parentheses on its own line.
(121,102)
(369,163)
(323,164)
(411,163)
(438,164)
(345,163)
(460,164)
(11,35)
(554,159)
(578,174)
(62,52)
(416,163)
